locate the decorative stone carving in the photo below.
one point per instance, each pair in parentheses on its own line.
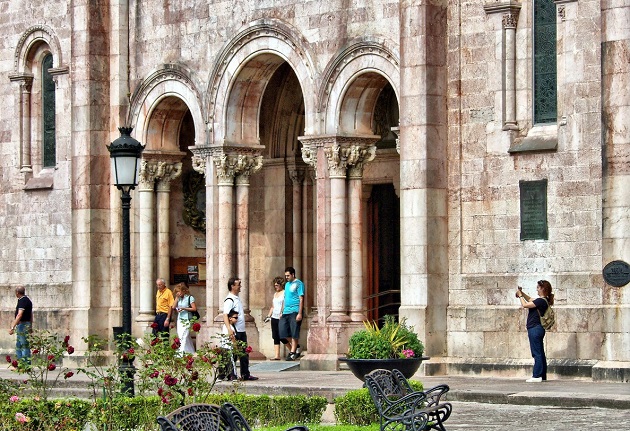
(199,164)
(359,156)
(194,213)
(245,166)
(169,172)
(150,170)
(510,20)
(337,157)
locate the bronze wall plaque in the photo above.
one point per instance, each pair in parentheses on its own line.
(533,209)
(617,273)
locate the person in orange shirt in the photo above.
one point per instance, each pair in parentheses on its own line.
(163,305)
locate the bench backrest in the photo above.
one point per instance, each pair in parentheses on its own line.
(235,417)
(386,387)
(196,417)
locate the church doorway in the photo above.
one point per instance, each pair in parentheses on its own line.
(383,253)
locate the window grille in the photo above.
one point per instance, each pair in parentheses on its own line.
(48,111)
(545,75)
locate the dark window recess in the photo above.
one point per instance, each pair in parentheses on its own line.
(545,74)
(48,111)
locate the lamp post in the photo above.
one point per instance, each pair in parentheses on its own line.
(125,156)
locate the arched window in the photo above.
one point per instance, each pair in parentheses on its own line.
(48,113)
(545,75)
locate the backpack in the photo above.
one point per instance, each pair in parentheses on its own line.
(193,314)
(548,319)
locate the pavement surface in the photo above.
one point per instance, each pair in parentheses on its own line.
(479,403)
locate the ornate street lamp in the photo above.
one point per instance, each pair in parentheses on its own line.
(125,155)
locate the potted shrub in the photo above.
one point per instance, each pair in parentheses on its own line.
(394,346)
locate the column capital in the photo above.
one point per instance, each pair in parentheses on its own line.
(199,164)
(341,151)
(511,7)
(149,170)
(359,156)
(245,166)
(169,172)
(24,80)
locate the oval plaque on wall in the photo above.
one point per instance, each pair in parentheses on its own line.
(617,273)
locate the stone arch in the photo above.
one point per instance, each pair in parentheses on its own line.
(242,72)
(351,84)
(31,38)
(159,105)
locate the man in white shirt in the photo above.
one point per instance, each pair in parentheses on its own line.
(233,302)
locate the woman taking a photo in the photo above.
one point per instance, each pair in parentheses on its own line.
(535,330)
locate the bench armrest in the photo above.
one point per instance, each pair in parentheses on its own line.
(434,394)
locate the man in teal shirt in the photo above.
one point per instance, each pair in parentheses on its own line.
(291,319)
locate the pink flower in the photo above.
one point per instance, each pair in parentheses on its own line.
(154,374)
(154,325)
(131,351)
(14,364)
(160,391)
(196,327)
(35,351)
(190,391)
(51,366)
(14,399)
(8,358)
(21,418)
(70,350)
(248,349)
(68,375)
(51,357)
(408,353)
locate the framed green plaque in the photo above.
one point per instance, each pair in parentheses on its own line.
(533,209)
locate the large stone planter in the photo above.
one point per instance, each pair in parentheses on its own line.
(361,367)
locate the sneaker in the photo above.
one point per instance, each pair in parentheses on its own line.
(534,380)
(298,351)
(250,377)
(291,357)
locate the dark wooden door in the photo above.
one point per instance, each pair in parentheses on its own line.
(383,277)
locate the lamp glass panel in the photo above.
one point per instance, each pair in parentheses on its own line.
(125,169)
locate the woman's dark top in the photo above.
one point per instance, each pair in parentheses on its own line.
(533,318)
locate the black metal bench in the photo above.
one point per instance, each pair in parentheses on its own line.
(208,417)
(403,409)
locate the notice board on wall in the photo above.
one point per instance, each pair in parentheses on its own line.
(189,269)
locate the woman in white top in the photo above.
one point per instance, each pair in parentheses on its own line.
(184,305)
(274,314)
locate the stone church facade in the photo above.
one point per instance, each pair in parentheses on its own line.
(418,158)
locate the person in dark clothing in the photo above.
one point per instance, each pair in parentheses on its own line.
(535,331)
(22,325)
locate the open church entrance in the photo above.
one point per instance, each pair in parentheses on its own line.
(383,252)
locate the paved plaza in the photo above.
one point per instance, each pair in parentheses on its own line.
(479,403)
(510,417)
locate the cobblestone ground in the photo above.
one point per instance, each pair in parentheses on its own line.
(505,417)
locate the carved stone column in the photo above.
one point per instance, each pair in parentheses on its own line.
(297,177)
(225,170)
(202,163)
(510,10)
(337,158)
(245,166)
(148,174)
(25,81)
(312,154)
(168,172)
(360,154)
